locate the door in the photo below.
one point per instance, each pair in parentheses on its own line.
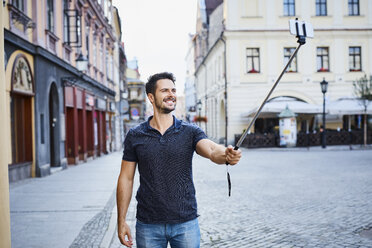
(54,126)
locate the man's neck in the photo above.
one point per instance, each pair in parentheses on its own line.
(161,122)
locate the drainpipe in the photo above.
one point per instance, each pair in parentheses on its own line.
(225,77)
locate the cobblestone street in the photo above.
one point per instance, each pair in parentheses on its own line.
(285,199)
(280,198)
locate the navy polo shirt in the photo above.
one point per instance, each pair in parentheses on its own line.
(166,193)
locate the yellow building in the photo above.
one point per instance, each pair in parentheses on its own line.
(248,43)
(5,240)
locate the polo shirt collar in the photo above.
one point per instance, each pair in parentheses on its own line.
(176,123)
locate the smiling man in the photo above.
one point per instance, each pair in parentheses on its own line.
(163,148)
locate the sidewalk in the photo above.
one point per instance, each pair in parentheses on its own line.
(71,208)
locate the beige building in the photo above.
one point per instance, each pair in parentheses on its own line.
(243,45)
(5,240)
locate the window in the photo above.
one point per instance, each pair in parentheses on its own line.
(253,60)
(322,59)
(78,29)
(19,4)
(289,8)
(101,56)
(288,51)
(95,51)
(107,64)
(321,7)
(355,60)
(50,15)
(87,31)
(353,7)
(66,22)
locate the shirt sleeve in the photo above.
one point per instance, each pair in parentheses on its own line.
(129,153)
(198,135)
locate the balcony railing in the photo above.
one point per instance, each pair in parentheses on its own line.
(354,137)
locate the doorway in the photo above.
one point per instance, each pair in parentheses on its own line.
(54,125)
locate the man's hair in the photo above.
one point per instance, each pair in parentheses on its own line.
(151,82)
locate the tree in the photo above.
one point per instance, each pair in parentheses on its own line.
(363,91)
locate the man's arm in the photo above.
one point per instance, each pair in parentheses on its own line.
(218,153)
(123,197)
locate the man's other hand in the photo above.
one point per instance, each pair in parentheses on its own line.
(124,234)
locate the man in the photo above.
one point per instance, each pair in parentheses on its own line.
(163,147)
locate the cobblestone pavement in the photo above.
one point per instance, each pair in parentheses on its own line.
(284,199)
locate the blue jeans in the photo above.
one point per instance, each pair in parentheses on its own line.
(181,235)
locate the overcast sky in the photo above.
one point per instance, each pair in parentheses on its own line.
(156,33)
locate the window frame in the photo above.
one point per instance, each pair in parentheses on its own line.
(353,56)
(288,56)
(20,5)
(321,7)
(50,22)
(322,56)
(289,5)
(252,57)
(66,23)
(351,7)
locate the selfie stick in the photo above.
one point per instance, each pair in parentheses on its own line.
(301,40)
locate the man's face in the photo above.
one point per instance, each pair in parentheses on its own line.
(165,96)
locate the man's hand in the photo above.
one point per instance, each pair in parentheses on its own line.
(124,234)
(232,156)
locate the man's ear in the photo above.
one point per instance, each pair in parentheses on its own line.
(151,97)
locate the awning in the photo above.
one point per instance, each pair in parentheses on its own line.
(277,105)
(348,106)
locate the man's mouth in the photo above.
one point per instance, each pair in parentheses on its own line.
(170,100)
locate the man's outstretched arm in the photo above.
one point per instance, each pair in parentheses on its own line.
(123,197)
(218,153)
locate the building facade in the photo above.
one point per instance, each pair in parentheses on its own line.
(244,46)
(61,79)
(190,93)
(136,96)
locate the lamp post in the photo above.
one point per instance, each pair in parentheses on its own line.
(324,86)
(199,108)
(82,63)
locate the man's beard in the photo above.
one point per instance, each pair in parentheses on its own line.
(165,110)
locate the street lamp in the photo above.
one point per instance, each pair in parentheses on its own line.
(324,86)
(199,108)
(82,63)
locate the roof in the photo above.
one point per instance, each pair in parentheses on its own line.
(277,105)
(348,106)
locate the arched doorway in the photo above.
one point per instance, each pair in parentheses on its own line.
(54,126)
(22,94)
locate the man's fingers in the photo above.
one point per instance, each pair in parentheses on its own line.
(130,237)
(127,243)
(233,156)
